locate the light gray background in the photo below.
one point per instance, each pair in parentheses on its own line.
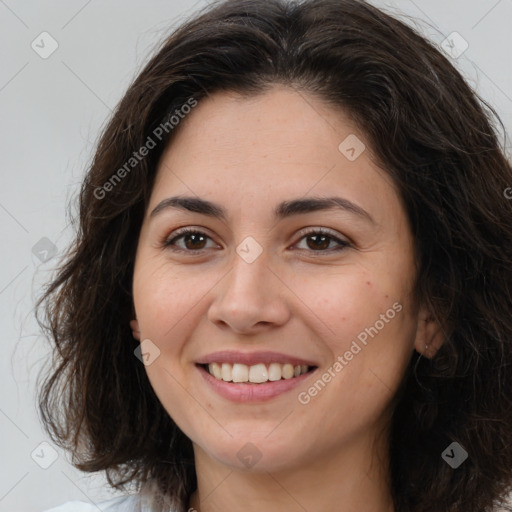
(52,110)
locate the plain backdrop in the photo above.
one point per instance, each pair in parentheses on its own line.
(52,109)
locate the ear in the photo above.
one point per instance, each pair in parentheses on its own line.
(429,334)
(134,324)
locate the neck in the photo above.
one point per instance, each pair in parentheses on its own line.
(354,477)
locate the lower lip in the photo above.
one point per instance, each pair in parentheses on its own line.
(249,392)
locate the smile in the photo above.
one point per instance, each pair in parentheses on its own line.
(245,391)
(255,374)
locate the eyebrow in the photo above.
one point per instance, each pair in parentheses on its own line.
(283,210)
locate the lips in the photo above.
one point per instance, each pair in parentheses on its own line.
(254,358)
(247,392)
(253,388)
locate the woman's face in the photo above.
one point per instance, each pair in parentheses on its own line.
(260,289)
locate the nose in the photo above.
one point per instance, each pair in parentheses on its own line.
(250,298)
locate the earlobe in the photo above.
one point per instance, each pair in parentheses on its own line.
(429,335)
(134,324)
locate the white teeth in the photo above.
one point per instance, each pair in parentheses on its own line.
(287,371)
(257,373)
(215,370)
(274,371)
(226,372)
(240,373)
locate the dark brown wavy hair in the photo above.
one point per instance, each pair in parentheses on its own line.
(440,143)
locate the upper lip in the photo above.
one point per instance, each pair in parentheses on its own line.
(252,358)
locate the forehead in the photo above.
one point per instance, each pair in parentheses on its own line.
(267,148)
(280,121)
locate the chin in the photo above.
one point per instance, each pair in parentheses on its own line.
(255,453)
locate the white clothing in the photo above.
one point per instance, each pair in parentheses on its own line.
(127,503)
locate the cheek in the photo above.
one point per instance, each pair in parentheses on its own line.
(346,304)
(166,297)
(366,320)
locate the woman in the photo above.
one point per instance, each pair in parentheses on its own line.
(291,285)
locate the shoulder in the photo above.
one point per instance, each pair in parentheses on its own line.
(146,500)
(129,503)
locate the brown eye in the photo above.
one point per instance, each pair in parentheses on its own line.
(193,240)
(319,241)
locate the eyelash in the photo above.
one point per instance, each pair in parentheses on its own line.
(168,243)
